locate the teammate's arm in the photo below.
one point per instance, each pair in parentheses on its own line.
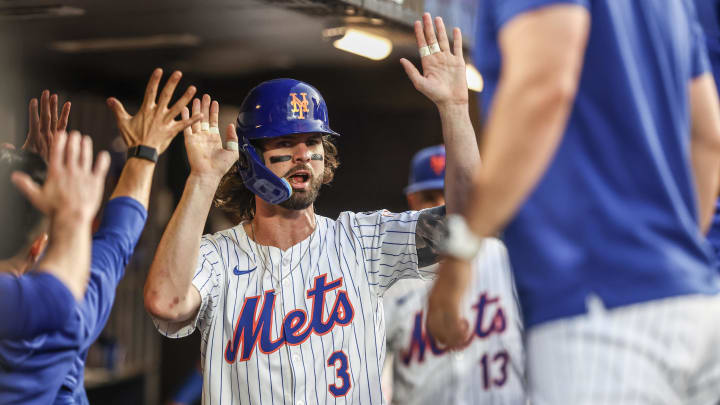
(542,52)
(431,227)
(169,292)
(705,144)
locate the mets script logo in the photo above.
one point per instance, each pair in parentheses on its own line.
(298,105)
(254,325)
(437,164)
(487,323)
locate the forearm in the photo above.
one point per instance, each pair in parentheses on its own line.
(463,157)
(522,135)
(68,253)
(705,145)
(169,294)
(135,181)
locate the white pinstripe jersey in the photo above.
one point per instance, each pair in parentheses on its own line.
(301,326)
(489,370)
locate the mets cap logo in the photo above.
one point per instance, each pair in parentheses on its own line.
(299,105)
(437,164)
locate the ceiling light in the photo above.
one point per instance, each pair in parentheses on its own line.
(124,44)
(363,43)
(474,79)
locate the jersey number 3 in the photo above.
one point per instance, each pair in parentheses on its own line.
(339,360)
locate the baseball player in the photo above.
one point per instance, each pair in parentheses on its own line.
(490,367)
(288,302)
(44,299)
(601,161)
(49,368)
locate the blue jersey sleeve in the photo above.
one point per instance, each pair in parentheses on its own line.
(113,245)
(700,58)
(506,10)
(32,304)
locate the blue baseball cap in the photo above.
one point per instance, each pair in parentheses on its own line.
(427,170)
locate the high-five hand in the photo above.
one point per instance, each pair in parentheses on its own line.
(443,78)
(205,150)
(45,125)
(154,124)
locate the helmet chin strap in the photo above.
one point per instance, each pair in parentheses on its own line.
(259,179)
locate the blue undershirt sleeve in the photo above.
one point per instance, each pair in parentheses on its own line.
(506,10)
(112,247)
(33,304)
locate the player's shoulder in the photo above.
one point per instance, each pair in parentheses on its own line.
(380,216)
(231,236)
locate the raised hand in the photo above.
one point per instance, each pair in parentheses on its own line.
(154,124)
(73,188)
(205,150)
(443,78)
(45,125)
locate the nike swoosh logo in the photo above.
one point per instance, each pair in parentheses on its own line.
(241,272)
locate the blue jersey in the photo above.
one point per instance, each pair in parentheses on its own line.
(614,215)
(49,367)
(709,16)
(33,304)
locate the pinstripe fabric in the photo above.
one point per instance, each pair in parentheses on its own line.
(490,370)
(659,352)
(248,288)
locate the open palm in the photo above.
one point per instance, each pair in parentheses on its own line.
(443,79)
(203,143)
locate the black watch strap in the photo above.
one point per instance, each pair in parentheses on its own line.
(143,152)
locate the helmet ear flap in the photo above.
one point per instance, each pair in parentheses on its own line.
(258,178)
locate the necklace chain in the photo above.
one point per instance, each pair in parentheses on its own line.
(278,281)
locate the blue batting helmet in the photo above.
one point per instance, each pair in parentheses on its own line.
(274,108)
(427,170)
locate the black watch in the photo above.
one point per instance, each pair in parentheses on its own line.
(143,152)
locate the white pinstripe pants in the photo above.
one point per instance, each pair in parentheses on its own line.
(659,352)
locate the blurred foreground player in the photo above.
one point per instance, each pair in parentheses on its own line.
(43,299)
(50,367)
(489,368)
(288,302)
(601,160)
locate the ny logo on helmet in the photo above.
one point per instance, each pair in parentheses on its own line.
(299,106)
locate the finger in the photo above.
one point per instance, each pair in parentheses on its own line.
(185,115)
(102,163)
(442,34)
(53,112)
(151,89)
(457,43)
(419,34)
(33,118)
(117,108)
(64,117)
(206,101)
(196,107)
(72,151)
(214,112)
(45,111)
(413,74)
(168,90)
(181,103)
(429,29)
(230,133)
(86,153)
(57,151)
(29,189)
(187,123)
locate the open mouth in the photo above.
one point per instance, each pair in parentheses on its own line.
(299,179)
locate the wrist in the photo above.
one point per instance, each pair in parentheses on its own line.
(461,243)
(203,181)
(453,108)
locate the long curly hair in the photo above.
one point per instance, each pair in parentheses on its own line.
(239,203)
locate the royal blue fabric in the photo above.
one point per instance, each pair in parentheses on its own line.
(614,216)
(49,368)
(32,304)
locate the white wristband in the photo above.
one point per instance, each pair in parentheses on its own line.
(461,243)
